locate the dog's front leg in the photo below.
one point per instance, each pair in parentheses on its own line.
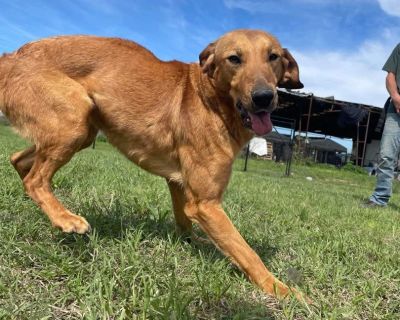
(214,222)
(205,180)
(183,224)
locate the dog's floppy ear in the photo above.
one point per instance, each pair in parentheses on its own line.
(290,79)
(206,59)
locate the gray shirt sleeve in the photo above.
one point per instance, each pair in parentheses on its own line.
(392,62)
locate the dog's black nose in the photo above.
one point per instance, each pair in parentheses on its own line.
(262,97)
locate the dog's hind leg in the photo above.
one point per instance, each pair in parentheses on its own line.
(37,184)
(57,119)
(37,168)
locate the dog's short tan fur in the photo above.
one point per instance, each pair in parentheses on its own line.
(173,119)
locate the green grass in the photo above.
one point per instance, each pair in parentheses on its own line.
(312,234)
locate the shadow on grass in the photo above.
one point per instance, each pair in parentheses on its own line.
(228,308)
(159,224)
(120,220)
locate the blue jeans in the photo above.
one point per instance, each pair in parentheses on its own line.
(389,151)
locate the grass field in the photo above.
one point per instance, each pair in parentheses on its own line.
(312,234)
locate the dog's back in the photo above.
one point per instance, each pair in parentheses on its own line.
(114,66)
(77,55)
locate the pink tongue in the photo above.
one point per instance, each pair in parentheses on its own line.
(261,122)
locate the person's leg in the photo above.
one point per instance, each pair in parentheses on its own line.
(389,151)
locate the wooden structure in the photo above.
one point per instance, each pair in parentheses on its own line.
(331,117)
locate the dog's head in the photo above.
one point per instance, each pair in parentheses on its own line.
(248,65)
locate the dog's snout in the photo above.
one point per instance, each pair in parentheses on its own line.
(262,97)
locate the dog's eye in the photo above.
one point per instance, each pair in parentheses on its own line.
(234,59)
(273,57)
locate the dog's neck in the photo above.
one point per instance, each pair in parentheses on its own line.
(223,106)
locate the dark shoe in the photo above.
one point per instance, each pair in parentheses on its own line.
(371,204)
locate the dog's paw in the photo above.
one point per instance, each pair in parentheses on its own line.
(72,223)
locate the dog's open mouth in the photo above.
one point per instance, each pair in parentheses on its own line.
(259,122)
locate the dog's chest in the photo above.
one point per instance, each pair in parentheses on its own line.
(161,161)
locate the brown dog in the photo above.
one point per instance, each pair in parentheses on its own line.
(184,122)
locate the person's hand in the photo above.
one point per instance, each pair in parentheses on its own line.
(396,103)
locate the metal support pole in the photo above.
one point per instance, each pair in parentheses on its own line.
(366,137)
(309,115)
(247,157)
(357,142)
(289,162)
(300,126)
